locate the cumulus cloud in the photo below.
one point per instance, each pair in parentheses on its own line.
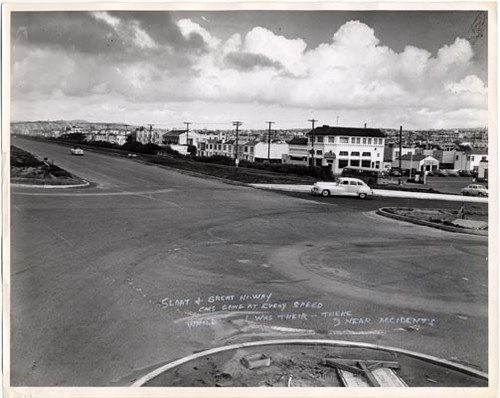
(148,57)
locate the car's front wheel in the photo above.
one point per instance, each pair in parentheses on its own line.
(362,195)
(325,192)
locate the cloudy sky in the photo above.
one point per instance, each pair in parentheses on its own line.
(418,69)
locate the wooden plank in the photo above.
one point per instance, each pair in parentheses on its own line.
(352,380)
(388,378)
(368,374)
(340,365)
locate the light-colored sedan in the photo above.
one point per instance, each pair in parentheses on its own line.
(77,151)
(475,190)
(343,187)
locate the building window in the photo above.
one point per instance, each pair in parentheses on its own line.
(331,140)
(319,152)
(358,140)
(246,149)
(456,157)
(344,140)
(353,140)
(367,154)
(369,141)
(343,153)
(251,149)
(381,141)
(378,155)
(343,163)
(225,147)
(377,164)
(319,139)
(354,153)
(355,162)
(472,158)
(319,162)
(365,163)
(364,140)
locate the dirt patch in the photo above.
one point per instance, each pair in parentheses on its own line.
(301,366)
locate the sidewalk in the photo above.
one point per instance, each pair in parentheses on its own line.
(379,192)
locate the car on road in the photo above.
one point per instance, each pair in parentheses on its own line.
(343,187)
(475,190)
(132,155)
(77,151)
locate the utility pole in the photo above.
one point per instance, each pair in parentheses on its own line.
(150,132)
(269,141)
(237,125)
(312,139)
(187,132)
(400,154)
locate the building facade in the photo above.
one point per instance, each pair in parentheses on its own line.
(339,147)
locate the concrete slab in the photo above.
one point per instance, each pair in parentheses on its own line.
(379,192)
(470,224)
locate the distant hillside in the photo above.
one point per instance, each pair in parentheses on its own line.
(62,125)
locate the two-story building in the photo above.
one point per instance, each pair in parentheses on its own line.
(340,147)
(469,160)
(298,152)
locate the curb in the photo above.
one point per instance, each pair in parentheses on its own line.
(383,212)
(85,184)
(377,193)
(336,343)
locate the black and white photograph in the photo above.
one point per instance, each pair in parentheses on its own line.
(227,196)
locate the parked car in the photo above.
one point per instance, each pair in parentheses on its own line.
(442,173)
(343,187)
(475,190)
(453,173)
(77,151)
(465,173)
(132,155)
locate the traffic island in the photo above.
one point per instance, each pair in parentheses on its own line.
(312,363)
(26,170)
(462,221)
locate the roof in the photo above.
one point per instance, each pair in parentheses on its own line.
(175,132)
(347,131)
(416,158)
(477,152)
(298,141)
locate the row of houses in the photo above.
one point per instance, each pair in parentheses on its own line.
(334,147)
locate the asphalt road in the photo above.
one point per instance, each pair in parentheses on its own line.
(149,264)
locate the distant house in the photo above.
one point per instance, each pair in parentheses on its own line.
(470,160)
(298,152)
(275,150)
(419,163)
(181,137)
